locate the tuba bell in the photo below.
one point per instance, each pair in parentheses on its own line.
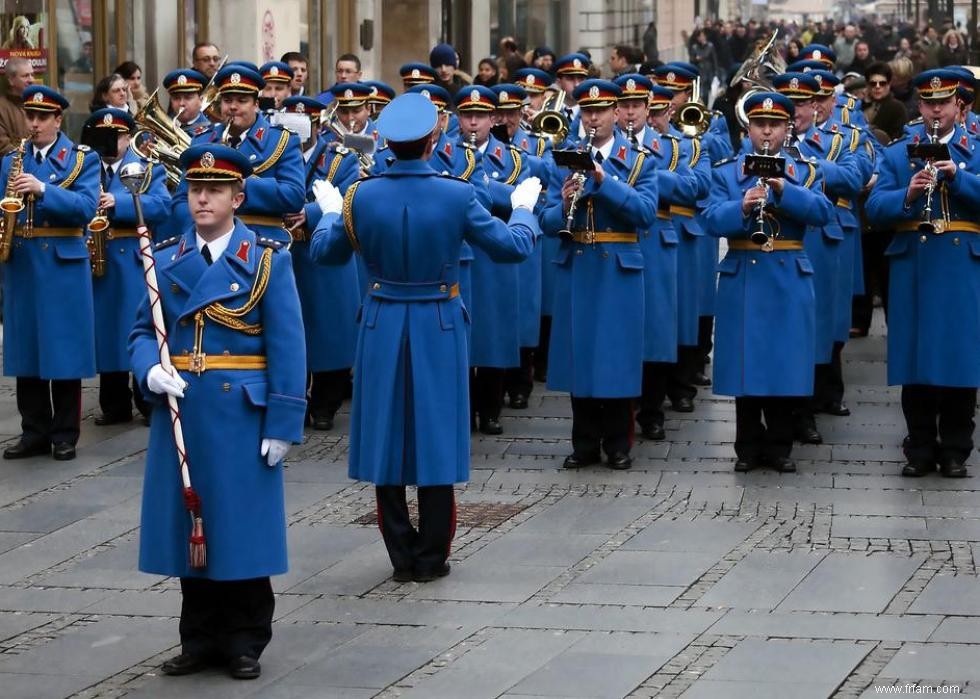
(758,70)
(159,137)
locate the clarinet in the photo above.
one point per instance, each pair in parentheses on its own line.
(578,177)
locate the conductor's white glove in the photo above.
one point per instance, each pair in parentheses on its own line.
(526,193)
(159,381)
(328,197)
(274,450)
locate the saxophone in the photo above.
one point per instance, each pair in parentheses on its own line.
(97,227)
(12,203)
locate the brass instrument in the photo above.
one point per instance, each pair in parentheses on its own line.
(97,227)
(361,146)
(578,177)
(551,123)
(158,137)
(693,117)
(757,71)
(226,132)
(759,236)
(12,203)
(927,224)
(630,135)
(210,105)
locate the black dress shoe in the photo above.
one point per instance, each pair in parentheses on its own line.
(916,468)
(807,433)
(23,450)
(783,464)
(700,379)
(324,423)
(834,408)
(490,426)
(619,461)
(540,376)
(244,668)
(653,432)
(951,468)
(184,664)
(105,419)
(518,402)
(581,460)
(63,451)
(403,575)
(746,464)
(430,575)
(683,405)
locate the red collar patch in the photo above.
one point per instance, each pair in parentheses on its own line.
(790,170)
(915,139)
(62,153)
(964,140)
(525,145)
(180,248)
(497,152)
(621,154)
(656,144)
(816,137)
(448,148)
(259,132)
(242,253)
(833,127)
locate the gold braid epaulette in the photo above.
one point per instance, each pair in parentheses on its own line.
(348,213)
(637,166)
(855,140)
(334,165)
(276,154)
(542,146)
(231,317)
(811,177)
(76,171)
(675,154)
(696,151)
(148,179)
(470,164)
(515,154)
(835,147)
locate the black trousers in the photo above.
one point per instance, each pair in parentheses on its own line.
(520,380)
(873,245)
(541,352)
(118,393)
(327,390)
(425,549)
(828,385)
(50,411)
(605,423)
(226,619)
(940,422)
(706,330)
(656,376)
(680,381)
(774,439)
(487,392)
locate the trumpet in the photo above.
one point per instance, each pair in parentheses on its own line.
(12,203)
(759,236)
(96,241)
(578,177)
(927,224)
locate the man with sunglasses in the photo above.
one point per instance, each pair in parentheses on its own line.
(881,109)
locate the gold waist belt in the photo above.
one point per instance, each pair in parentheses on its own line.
(590,237)
(50,233)
(942,226)
(203,362)
(776,245)
(250,220)
(682,210)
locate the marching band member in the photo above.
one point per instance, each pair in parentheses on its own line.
(380,97)
(238,349)
(276,185)
(329,296)
(570,72)
(409,421)
(185,87)
(118,287)
(596,348)
(352,109)
(278,77)
(933,325)
(764,319)
(48,340)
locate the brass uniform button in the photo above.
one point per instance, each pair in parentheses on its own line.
(226,387)
(174,288)
(922,239)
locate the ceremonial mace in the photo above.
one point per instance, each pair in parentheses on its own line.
(133,177)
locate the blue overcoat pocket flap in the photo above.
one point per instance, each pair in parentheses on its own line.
(257,393)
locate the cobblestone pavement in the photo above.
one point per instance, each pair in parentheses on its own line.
(678,578)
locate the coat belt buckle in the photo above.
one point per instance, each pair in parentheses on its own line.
(938,226)
(768,246)
(198,363)
(588,237)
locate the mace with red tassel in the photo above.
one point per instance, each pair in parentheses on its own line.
(133,177)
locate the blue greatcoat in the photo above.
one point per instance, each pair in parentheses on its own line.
(690,250)
(764,315)
(934,285)
(410,414)
(277,186)
(842,176)
(716,145)
(659,247)
(597,337)
(329,296)
(120,291)
(496,287)
(226,412)
(537,152)
(47,302)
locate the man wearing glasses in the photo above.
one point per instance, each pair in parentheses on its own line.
(205,59)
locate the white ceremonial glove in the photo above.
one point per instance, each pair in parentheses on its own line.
(328,197)
(159,381)
(274,451)
(526,193)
